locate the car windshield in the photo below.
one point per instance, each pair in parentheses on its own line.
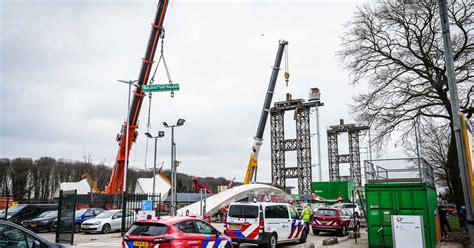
(80,212)
(43,214)
(325,212)
(148,229)
(14,210)
(106,214)
(51,214)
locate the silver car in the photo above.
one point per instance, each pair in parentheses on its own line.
(105,222)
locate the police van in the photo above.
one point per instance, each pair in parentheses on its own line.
(264,223)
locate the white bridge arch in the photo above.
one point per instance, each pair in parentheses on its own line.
(215,202)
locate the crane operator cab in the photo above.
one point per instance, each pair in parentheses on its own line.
(264,223)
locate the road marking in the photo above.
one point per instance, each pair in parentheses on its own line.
(99,244)
(106,244)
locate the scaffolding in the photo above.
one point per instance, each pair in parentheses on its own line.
(353,158)
(301,144)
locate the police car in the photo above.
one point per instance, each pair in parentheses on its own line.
(264,223)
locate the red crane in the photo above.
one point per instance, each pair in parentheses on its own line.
(231,184)
(115,184)
(198,184)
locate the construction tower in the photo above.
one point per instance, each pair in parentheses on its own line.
(353,158)
(301,144)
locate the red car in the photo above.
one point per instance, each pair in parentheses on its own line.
(338,220)
(452,209)
(174,232)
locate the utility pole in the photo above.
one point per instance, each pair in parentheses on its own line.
(455,109)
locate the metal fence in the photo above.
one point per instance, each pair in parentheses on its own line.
(399,170)
(104,201)
(65,226)
(135,203)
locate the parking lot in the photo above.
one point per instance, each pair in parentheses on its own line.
(114,239)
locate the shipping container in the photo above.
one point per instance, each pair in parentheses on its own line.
(332,190)
(386,199)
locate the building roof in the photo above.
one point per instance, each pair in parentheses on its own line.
(145,186)
(82,187)
(188,197)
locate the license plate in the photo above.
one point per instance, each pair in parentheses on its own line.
(324,222)
(140,243)
(234,226)
(33,225)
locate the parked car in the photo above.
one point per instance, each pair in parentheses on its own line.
(79,217)
(19,213)
(25,223)
(181,231)
(13,235)
(353,207)
(43,222)
(105,222)
(264,223)
(85,214)
(452,209)
(328,219)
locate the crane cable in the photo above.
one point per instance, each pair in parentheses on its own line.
(287,67)
(152,80)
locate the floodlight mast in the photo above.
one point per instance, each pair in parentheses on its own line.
(128,131)
(251,173)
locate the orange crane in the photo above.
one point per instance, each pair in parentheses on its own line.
(115,184)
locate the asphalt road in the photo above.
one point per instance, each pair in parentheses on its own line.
(114,240)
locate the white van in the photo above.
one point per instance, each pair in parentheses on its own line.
(264,223)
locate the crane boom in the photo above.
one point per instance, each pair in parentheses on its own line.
(115,184)
(198,184)
(251,173)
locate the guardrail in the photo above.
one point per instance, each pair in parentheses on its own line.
(399,170)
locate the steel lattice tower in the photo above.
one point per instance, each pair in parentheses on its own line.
(301,144)
(353,158)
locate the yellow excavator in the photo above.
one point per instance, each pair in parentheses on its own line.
(91,183)
(251,174)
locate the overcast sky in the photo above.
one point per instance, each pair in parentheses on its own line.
(60,61)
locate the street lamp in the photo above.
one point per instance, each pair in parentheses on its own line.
(130,83)
(160,135)
(179,123)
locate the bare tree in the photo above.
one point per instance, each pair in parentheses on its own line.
(433,144)
(5,180)
(19,177)
(397,50)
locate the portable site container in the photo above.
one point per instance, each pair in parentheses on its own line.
(331,190)
(410,198)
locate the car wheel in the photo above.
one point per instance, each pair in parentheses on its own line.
(315,232)
(343,231)
(272,243)
(227,246)
(106,228)
(77,228)
(303,237)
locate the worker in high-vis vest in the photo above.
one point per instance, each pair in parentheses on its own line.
(305,216)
